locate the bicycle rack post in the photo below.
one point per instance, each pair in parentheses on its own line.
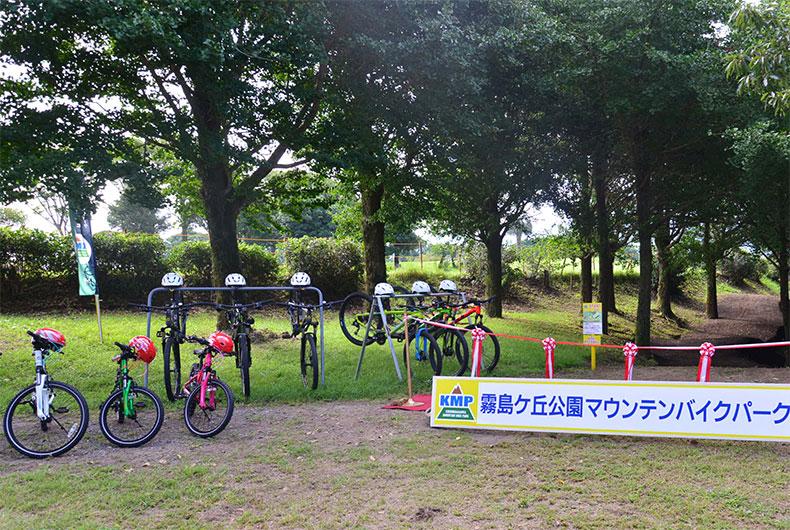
(377,305)
(236,289)
(365,340)
(389,338)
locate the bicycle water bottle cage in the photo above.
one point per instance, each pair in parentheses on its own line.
(235,279)
(172,279)
(300,279)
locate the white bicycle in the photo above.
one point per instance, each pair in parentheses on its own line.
(49,417)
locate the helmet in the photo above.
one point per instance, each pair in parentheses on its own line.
(300,279)
(172,279)
(235,279)
(383,289)
(448,286)
(419,287)
(143,347)
(52,335)
(221,341)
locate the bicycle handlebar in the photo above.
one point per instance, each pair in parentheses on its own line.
(198,340)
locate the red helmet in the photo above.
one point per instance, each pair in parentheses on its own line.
(221,341)
(52,335)
(144,348)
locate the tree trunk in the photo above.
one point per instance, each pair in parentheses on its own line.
(642,334)
(373,236)
(605,262)
(711,294)
(664,277)
(494,278)
(587,278)
(784,297)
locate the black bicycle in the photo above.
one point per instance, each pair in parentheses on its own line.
(241,326)
(173,335)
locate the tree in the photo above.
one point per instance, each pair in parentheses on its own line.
(53,207)
(229,87)
(760,62)
(130,216)
(762,153)
(12,218)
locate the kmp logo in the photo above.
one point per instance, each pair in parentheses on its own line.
(456,406)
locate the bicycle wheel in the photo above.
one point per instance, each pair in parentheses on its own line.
(308,361)
(354,314)
(211,420)
(454,350)
(425,357)
(134,430)
(171,353)
(490,349)
(62,430)
(243,354)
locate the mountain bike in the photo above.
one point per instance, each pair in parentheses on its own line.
(47,418)
(173,335)
(241,326)
(209,403)
(132,415)
(450,313)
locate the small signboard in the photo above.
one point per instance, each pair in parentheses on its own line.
(646,408)
(592,318)
(592,339)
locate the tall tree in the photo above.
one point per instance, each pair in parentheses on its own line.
(128,215)
(229,87)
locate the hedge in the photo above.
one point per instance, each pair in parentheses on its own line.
(192,259)
(335,265)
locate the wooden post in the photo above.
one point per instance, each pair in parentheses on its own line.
(420,245)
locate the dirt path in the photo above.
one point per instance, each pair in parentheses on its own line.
(743,319)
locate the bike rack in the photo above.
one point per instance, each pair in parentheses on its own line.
(237,289)
(377,306)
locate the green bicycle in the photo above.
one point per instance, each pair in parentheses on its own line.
(132,415)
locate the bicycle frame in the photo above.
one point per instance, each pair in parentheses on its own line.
(202,378)
(44,396)
(124,383)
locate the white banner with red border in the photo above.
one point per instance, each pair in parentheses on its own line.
(738,411)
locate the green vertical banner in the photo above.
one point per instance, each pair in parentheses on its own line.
(86,260)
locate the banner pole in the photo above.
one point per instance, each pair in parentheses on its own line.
(593,363)
(410,400)
(98,318)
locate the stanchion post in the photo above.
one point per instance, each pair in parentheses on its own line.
(593,360)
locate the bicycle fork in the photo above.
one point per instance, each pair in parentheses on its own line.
(43,394)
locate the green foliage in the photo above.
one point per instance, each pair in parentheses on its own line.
(129,216)
(552,253)
(192,259)
(334,265)
(739,266)
(128,265)
(761,31)
(11,218)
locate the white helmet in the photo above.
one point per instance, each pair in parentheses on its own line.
(300,279)
(172,279)
(420,287)
(235,279)
(383,289)
(448,286)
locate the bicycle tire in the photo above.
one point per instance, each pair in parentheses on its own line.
(191,406)
(12,434)
(171,358)
(454,349)
(422,372)
(309,367)
(243,353)
(352,327)
(490,352)
(110,412)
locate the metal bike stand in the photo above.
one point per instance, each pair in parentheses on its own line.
(236,289)
(377,305)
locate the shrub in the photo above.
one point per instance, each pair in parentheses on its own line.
(192,259)
(739,266)
(405,277)
(128,265)
(334,265)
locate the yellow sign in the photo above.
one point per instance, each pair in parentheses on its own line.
(592,339)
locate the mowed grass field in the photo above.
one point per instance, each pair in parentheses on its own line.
(332,458)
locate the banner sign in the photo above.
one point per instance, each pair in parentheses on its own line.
(86,260)
(592,318)
(644,408)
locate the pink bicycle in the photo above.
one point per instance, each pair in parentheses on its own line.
(209,401)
